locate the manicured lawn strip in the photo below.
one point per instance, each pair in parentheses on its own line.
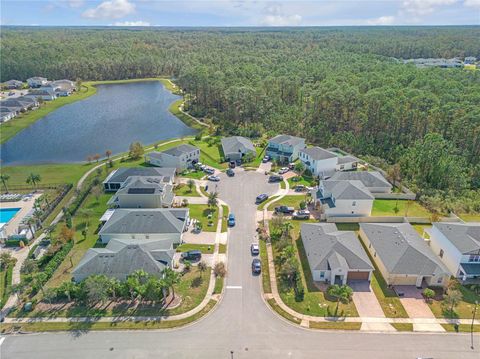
(183,190)
(283,313)
(12,127)
(267,287)
(335,325)
(218,285)
(385,207)
(463,310)
(225,217)
(193,174)
(462,328)
(403,327)
(258,159)
(304,180)
(347,226)
(200,213)
(210,155)
(222,248)
(420,228)
(5,285)
(283,185)
(189,121)
(262,205)
(204,248)
(289,201)
(470,217)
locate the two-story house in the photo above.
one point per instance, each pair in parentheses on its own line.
(117,178)
(180,157)
(285,148)
(322,163)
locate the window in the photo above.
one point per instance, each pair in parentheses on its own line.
(441,253)
(322,275)
(439,280)
(474,258)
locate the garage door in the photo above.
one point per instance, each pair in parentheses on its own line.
(357,275)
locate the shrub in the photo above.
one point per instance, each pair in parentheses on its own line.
(220,270)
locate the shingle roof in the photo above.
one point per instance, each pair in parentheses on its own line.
(148,221)
(120,175)
(346,159)
(464,236)
(286,140)
(327,247)
(318,153)
(401,249)
(146,185)
(354,190)
(180,150)
(236,144)
(369,179)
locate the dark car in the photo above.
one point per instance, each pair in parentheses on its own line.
(275,178)
(209,171)
(232,164)
(300,188)
(284,209)
(230,172)
(261,198)
(266,159)
(193,255)
(256,266)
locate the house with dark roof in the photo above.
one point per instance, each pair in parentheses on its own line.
(334,256)
(180,157)
(143,192)
(372,180)
(322,163)
(457,245)
(117,178)
(7,113)
(45,94)
(285,148)
(402,256)
(343,198)
(13,84)
(146,223)
(236,147)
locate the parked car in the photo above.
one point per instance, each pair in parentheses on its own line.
(300,188)
(232,164)
(11,93)
(284,209)
(266,159)
(256,266)
(275,178)
(255,249)
(231,220)
(261,198)
(193,255)
(209,171)
(230,172)
(283,170)
(213,178)
(301,214)
(291,166)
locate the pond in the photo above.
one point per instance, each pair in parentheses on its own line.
(114,117)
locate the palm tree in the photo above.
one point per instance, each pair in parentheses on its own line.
(190,184)
(4,178)
(108,153)
(171,278)
(30,222)
(212,199)
(33,179)
(287,227)
(340,292)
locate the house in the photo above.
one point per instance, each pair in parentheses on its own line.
(347,163)
(61,87)
(334,256)
(343,198)
(116,178)
(373,180)
(20,103)
(13,84)
(458,247)
(320,162)
(470,60)
(236,147)
(143,192)
(147,223)
(285,148)
(36,81)
(7,113)
(402,256)
(122,257)
(44,93)
(180,157)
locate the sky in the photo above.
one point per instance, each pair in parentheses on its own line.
(238,12)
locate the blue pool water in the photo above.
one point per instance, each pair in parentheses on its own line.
(6,214)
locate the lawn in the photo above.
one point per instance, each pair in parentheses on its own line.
(258,159)
(283,313)
(224,219)
(463,310)
(210,155)
(462,328)
(289,201)
(201,212)
(470,217)
(303,180)
(267,288)
(218,285)
(385,207)
(335,325)
(222,248)
(403,327)
(262,205)
(193,174)
(5,285)
(184,190)
(204,248)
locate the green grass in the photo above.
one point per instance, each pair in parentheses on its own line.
(183,190)
(403,327)
(348,226)
(283,313)
(218,285)
(210,155)
(258,159)
(200,212)
(225,217)
(463,310)
(304,180)
(283,185)
(193,174)
(261,206)
(462,328)
(222,248)
(420,228)
(335,325)
(470,217)
(385,207)
(289,201)
(189,121)
(204,248)
(5,285)
(267,287)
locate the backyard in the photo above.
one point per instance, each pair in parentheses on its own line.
(210,154)
(201,212)
(386,207)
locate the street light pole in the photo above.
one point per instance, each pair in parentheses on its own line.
(473,320)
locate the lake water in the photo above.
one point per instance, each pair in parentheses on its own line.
(114,117)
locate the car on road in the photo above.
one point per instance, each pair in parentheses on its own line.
(230,172)
(193,255)
(255,249)
(284,210)
(213,178)
(266,159)
(301,214)
(231,220)
(261,198)
(275,178)
(209,171)
(256,266)
(283,170)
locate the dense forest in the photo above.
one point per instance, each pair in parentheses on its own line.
(339,87)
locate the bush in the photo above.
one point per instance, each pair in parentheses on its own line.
(12,243)
(220,270)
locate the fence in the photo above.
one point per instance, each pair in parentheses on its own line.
(26,187)
(401,196)
(390,219)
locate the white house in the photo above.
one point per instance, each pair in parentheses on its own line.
(285,148)
(372,180)
(180,157)
(319,161)
(343,198)
(36,81)
(334,256)
(45,94)
(458,247)
(347,163)
(6,114)
(236,147)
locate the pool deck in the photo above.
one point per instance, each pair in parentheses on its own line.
(25,207)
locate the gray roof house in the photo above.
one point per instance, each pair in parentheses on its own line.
(373,180)
(122,257)
(143,192)
(235,147)
(458,246)
(343,198)
(43,93)
(147,223)
(36,81)
(402,256)
(334,256)
(13,84)
(319,161)
(285,148)
(179,157)
(117,177)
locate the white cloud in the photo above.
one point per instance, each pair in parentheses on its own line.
(113,9)
(131,23)
(75,3)
(424,7)
(382,20)
(472,3)
(276,16)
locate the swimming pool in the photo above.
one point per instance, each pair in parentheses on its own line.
(6,214)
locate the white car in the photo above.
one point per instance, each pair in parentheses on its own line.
(283,170)
(213,178)
(255,249)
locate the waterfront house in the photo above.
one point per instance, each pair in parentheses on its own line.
(117,178)
(180,157)
(43,93)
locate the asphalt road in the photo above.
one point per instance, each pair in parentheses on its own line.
(242,322)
